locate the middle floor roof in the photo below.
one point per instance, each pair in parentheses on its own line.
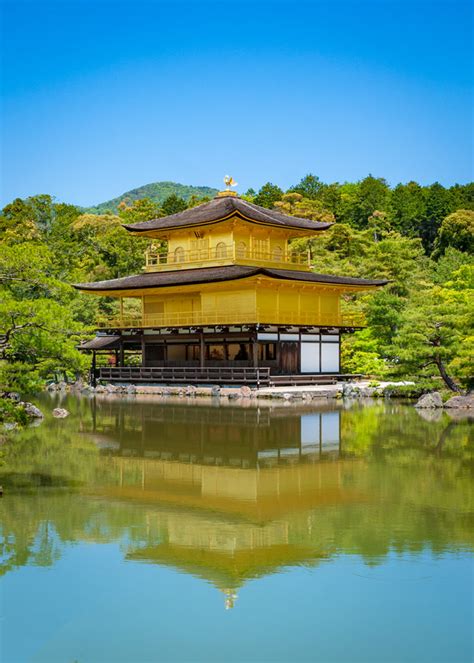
(208,275)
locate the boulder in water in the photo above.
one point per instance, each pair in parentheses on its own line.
(60,413)
(431,400)
(461,402)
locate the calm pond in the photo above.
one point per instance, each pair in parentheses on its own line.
(140,530)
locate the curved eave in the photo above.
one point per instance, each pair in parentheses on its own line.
(153,232)
(209,276)
(224,209)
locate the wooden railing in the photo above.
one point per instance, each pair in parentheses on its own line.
(186,375)
(197,318)
(156,261)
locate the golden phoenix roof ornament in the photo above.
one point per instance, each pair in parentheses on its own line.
(229,182)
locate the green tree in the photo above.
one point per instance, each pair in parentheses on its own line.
(348,200)
(436,329)
(42,335)
(293,203)
(372,194)
(138,211)
(379,225)
(457,231)
(309,187)
(451,260)
(268,195)
(173,204)
(438,205)
(462,196)
(408,208)
(194,200)
(39,210)
(330,197)
(104,249)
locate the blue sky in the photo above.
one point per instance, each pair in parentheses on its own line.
(100,97)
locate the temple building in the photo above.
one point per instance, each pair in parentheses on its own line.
(223,298)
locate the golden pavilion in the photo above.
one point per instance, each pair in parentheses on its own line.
(224,299)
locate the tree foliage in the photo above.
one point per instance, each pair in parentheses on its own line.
(173,204)
(457,231)
(268,195)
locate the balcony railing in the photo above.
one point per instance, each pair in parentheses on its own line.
(187,375)
(225,253)
(191,319)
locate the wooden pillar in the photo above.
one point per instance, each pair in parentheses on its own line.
(254,350)
(94,414)
(202,351)
(143,350)
(122,353)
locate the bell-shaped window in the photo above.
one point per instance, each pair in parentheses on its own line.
(221,250)
(179,254)
(277,254)
(241,250)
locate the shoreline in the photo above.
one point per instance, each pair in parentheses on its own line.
(338,390)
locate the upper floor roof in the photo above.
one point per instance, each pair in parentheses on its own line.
(225,206)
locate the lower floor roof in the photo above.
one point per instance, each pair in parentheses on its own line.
(101,342)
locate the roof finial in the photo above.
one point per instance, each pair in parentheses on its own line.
(229,182)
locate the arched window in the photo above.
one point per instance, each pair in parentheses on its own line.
(221,250)
(277,254)
(241,250)
(179,254)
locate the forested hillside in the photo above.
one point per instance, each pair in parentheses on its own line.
(420,237)
(157,192)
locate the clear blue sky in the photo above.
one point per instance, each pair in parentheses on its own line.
(103,96)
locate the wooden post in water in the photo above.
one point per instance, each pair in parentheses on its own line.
(255,356)
(93,369)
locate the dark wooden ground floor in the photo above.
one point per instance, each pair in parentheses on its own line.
(231,353)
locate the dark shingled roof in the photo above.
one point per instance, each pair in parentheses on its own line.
(216,274)
(221,208)
(101,343)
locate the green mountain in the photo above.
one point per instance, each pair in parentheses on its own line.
(157,191)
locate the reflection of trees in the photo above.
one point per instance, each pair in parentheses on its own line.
(403,484)
(365,431)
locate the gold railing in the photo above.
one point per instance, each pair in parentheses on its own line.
(184,319)
(156,261)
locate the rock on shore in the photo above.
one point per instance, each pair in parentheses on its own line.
(347,390)
(31,410)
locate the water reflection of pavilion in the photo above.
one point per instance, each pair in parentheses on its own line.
(234,436)
(234,493)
